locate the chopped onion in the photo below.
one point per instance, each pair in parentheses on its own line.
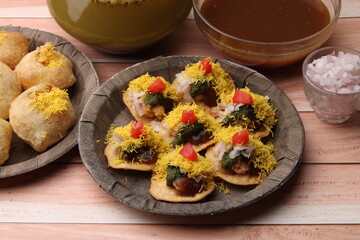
(339,74)
(241,150)
(137,101)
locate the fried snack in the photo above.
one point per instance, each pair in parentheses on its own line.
(189,124)
(182,176)
(5,140)
(42,116)
(135,146)
(45,65)
(150,98)
(248,110)
(204,83)
(10,88)
(13,47)
(239,158)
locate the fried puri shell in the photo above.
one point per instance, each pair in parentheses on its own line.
(31,124)
(160,191)
(229,176)
(112,153)
(5,140)
(31,72)
(13,47)
(10,88)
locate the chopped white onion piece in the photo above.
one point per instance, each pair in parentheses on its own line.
(339,74)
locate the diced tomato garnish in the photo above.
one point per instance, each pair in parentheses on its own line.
(137,130)
(205,66)
(241,137)
(242,97)
(188,152)
(157,86)
(188,116)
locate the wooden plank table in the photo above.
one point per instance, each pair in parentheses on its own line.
(321,201)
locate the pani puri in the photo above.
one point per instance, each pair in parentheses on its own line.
(10,88)
(13,47)
(45,65)
(42,116)
(5,140)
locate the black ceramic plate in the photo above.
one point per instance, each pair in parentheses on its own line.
(106,107)
(22,157)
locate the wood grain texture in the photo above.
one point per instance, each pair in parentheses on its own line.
(65,193)
(176,232)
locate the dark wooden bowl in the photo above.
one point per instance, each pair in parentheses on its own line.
(22,157)
(106,107)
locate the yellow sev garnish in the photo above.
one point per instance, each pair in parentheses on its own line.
(51,103)
(218,79)
(202,167)
(142,83)
(3,35)
(264,112)
(151,139)
(48,56)
(262,155)
(173,119)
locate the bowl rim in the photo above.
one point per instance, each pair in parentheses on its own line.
(329,25)
(325,49)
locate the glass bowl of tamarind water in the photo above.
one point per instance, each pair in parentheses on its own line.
(266,33)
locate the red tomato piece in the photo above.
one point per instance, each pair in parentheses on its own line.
(157,86)
(205,66)
(241,137)
(188,116)
(188,152)
(242,97)
(137,130)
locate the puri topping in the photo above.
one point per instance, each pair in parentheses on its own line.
(208,76)
(188,176)
(190,124)
(188,152)
(53,102)
(188,116)
(48,56)
(137,130)
(137,143)
(157,86)
(242,97)
(239,152)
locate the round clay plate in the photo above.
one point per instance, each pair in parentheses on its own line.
(22,157)
(106,107)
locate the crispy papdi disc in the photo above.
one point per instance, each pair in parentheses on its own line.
(6,133)
(112,153)
(160,191)
(10,88)
(261,133)
(13,47)
(229,176)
